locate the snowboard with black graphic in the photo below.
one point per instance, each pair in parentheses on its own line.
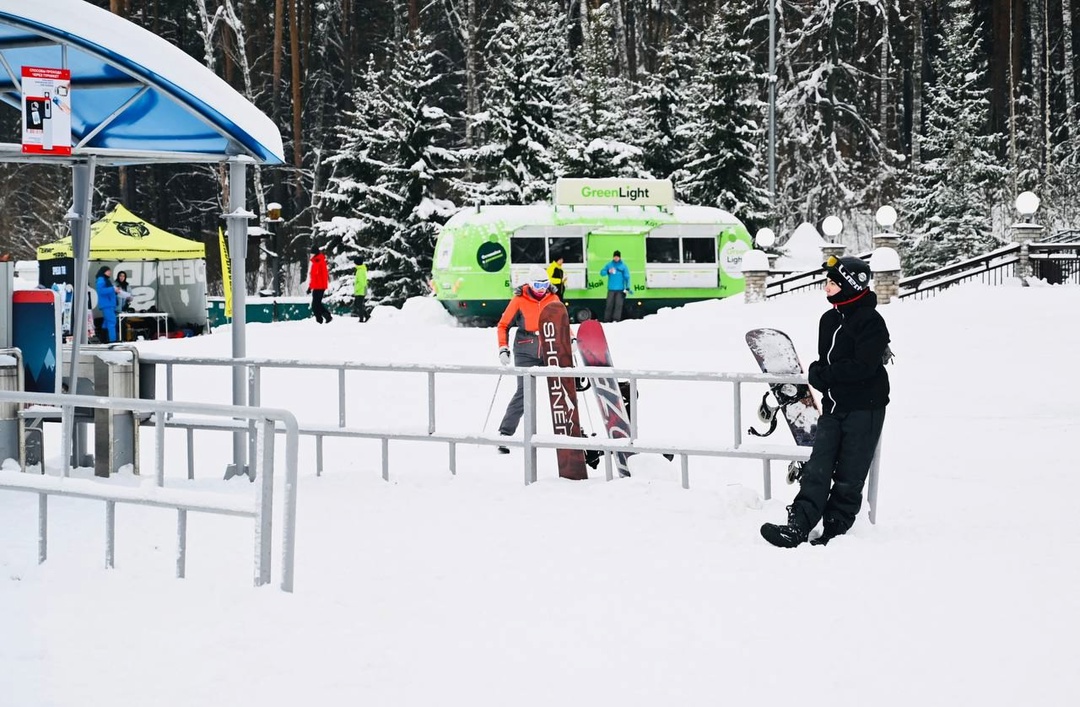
(775,353)
(556,350)
(593,348)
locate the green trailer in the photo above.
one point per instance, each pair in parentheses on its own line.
(676,253)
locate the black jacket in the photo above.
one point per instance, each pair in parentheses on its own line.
(850,371)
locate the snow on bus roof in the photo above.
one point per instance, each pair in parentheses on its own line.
(512,216)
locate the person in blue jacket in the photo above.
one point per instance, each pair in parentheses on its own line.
(618,286)
(106,293)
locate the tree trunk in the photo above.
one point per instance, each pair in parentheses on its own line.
(1014,162)
(885,95)
(1068,67)
(621,56)
(1038,79)
(414,15)
(917,59)
(472,98)
(279,49)
(297,103)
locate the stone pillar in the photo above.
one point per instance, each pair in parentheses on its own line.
(836,249)
(1025,234)
(886,240)
(885,264)
(755,269)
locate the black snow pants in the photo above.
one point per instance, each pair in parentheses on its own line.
(318,308)
(832,479)
(526,355)
(614,305)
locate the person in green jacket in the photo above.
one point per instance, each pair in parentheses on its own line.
(360,293)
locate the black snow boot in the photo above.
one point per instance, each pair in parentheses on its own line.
(503,450)
(828,532)
(790,535)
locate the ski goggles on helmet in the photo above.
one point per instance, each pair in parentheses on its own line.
(540,285)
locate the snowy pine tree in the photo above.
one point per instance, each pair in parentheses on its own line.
(828,149)
(722,162)
(602,130)
(403,168)
(524,107)
(666,107)
(950,197)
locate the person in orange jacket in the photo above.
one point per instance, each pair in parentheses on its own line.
(524,313)
(318,281)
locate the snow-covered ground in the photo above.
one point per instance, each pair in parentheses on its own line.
(477,590)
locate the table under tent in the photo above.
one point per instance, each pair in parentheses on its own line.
(166,274)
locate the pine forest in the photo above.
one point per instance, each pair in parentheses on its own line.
(396,113)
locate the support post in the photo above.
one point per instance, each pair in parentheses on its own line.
(82,206)
(237,223)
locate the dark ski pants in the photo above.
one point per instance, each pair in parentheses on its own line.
(832,479)
(360,307)
(613,306)
(526,355)
(318,308)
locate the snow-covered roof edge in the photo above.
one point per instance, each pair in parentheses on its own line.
(158,62)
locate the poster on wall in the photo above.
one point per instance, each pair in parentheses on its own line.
(46,111)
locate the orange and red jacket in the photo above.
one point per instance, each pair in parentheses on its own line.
(319,278)
(530,311)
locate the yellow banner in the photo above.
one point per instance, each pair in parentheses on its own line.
(226,273)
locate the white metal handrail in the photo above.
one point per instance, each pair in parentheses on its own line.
(267,421)
(530,440)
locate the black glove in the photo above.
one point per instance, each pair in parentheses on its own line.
(818,375)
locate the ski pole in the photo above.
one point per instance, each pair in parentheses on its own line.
(492,405)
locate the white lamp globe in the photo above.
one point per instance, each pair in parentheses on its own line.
(885,216)
(1027,203)
(765,238)
(831,226)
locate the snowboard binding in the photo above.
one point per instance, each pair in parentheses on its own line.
(794,472)
(785,395)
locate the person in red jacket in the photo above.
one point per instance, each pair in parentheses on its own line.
(318,281)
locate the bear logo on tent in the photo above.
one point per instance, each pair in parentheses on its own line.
(133,229)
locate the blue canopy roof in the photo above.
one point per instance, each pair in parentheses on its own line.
(134,96)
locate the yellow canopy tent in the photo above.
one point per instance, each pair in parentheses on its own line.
(166,272)
(121,235)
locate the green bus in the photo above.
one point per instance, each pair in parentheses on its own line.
(676,253)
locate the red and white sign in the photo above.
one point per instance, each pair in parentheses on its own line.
(46,111)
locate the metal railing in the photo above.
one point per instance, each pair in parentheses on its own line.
(991,268)
(795,282)
(267,422)
(1055,259)
(529,442)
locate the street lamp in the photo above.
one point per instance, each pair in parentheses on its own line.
(831,227)
(1027,203)
(273,218)
(886,217)
(765,238)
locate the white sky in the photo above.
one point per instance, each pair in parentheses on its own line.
(476,590)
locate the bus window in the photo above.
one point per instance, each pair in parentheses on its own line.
(661,250)
(699,250)
(572,250)
(527,250)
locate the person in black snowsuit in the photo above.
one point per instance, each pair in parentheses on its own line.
(853,347)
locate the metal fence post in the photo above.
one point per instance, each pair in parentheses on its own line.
(530,428)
